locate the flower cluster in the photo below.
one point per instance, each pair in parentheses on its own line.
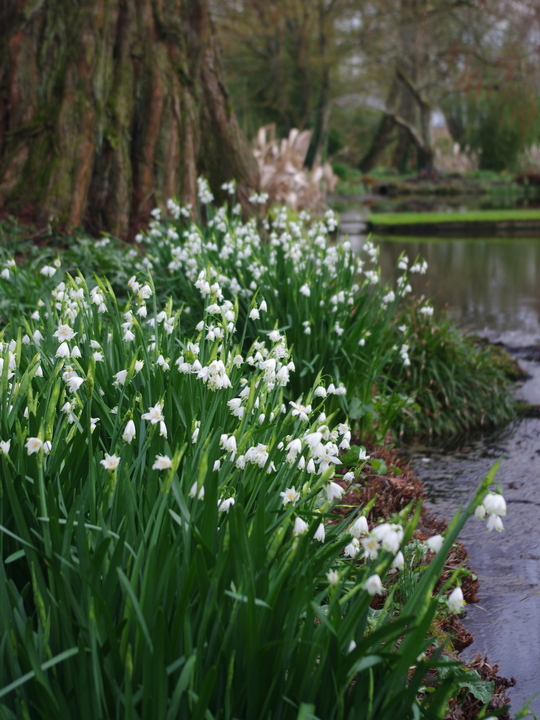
(494,507)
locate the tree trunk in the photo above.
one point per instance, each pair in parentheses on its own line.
(384,133)
(322,110)
(110,107)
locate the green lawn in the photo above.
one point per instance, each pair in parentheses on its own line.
(454,217)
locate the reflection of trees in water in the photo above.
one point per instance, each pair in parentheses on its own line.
(483,283)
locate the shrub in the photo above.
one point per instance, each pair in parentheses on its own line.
(455,385)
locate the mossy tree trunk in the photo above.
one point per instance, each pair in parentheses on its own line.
(110,107)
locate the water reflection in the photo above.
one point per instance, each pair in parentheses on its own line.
(488,286)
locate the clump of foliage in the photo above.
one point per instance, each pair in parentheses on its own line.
(498,124)
(167,534)
(339,318)
(455,384)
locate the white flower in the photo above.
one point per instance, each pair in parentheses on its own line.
(48,270)
(63,350)
(333,577)
(359,527)
(373,585)
(300,527)
(4,446)
(495,523)
(480,512)
(494,504)
(426,310)
(154,414)
(145,292)
(301,410)
(139,364)
(435,543)
(320,391)
(389,535)
(225,505)
(162,462)
(319,533)
(110,462)
(128,336)
(33,445)
(305,290)
(129,431)
(293,448)
(228,443)
(456,601)
(240,462)
(254,314)
(120,377)
(352,549)
(196,492)
(217,465)
(162,363)
(74,383)
(399,561)
(64,332)
(274,336)
(258,455)
(290,495)
(334,491)
(47,446)
(371,546)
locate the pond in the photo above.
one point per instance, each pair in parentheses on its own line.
(492,288)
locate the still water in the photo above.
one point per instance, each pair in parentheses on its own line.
(488,286)
(492,288)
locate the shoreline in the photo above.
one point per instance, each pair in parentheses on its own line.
(393,491)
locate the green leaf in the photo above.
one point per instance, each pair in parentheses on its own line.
(358,409)
(306,712)
(46,665)
(379,466)
(136,606)
(351,456)
(469,679)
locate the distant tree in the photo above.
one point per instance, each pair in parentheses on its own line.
(418,57)
(110,107)
(280,56)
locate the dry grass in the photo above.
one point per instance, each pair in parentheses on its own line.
(283,175)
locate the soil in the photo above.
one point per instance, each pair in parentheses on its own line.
(393,491)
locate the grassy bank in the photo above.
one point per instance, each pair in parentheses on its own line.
(481,184)
(480,216)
